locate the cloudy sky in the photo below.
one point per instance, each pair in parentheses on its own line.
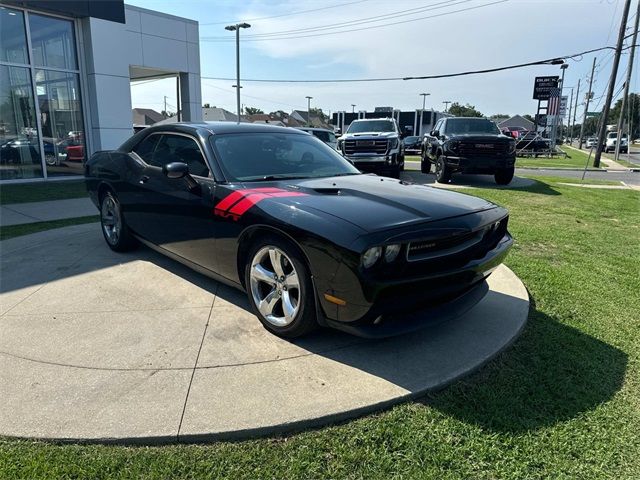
(344,39)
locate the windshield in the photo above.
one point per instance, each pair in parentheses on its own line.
(464,126)
(411,139)
(371,126)
(270,156)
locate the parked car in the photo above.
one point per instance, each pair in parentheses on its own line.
(412,145)
(532,142)
(612,139)
(279,214)
(468,145)
(327,136)
(374,145)
(17,150)
(514,132)
(591,142)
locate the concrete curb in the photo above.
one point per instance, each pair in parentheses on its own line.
(84,359)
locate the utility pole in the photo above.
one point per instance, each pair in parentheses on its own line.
(165,106)
(612,84)
(446,105)
(236,28)
(353,108)
(575,111)
(586,103)
(569,132)
(308,110)
(626,88)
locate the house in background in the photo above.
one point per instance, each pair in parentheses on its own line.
(146,116)
(302,119)
(517,121)
(215,114)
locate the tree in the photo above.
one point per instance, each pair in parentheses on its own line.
(206,105)
(320,114)
(632,114)
(279,114)
(498,117)
(464,110)
(167,114)
(529,117)
(252,110)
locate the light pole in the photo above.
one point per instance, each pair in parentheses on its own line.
(236,28)
(308,110)
(353,108)
(424,97)
(446,105)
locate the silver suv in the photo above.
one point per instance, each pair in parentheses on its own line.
(374,145)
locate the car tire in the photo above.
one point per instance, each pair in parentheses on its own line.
(114,229)
(51,159)
(504,176)
(285,306)
(443,173)
(425,164)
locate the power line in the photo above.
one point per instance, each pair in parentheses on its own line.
(300,12)
(253,97)
(364,28)
(549,61)
(358,21)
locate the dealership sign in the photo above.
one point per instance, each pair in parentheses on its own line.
(542,87)
(563,105)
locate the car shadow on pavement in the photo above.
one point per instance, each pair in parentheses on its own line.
(553,373)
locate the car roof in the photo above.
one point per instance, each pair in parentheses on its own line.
(313,129)
(221,128)
(372,119)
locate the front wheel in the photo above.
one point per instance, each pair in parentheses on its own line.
(443,173)
(114,229)
(279,288)
(425,164)
(504,176)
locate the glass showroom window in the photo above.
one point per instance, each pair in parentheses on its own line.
(41,121)
(19,142)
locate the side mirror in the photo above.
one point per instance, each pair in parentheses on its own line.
(435,133)
(176,170)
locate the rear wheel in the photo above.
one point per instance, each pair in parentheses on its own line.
(279,288)
(504,176)
(114,229)
(443,173)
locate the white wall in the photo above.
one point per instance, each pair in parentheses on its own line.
(148,39)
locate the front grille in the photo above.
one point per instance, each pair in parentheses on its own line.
(481,149)
(483,239)
(377,147)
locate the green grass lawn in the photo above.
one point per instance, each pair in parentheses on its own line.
(562,402)
(574,159)
(39,192)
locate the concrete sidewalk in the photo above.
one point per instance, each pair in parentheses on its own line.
(609,163)
(21,213)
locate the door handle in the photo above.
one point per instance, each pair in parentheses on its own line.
(144,179)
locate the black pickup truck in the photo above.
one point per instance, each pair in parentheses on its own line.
(468,145)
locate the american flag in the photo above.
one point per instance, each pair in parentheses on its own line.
(554,101)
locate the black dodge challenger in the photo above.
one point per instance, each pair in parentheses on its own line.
(277,213)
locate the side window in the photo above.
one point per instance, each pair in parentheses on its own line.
(146,147)
(438,126)
(177,148)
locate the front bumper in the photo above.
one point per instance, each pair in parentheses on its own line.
(373,163)
(480,164)
(403,305)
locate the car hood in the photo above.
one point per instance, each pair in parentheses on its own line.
(376,203)
(368,135)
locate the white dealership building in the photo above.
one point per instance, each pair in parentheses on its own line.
(66,68)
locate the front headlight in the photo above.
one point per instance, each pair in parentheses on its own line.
(391,252)
(371,256)
(452,146)
(339,146)
(393,143)
(512,147)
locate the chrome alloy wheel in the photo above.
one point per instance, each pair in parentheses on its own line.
(111,221)
(275,286)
